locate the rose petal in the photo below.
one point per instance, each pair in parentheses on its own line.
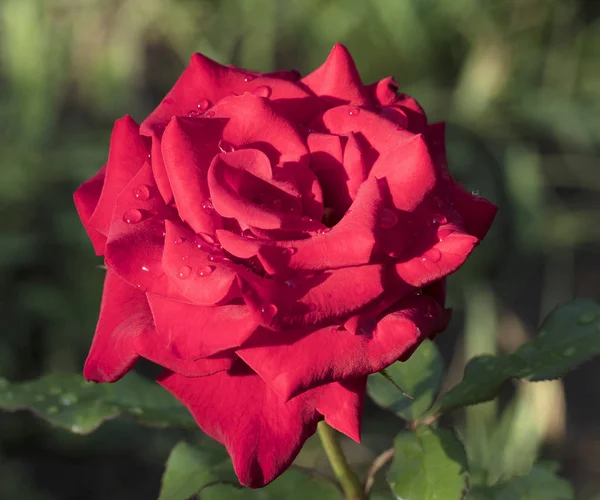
(128,152)
(310,359)
(230,173)
(380,133)
(86,198)
(135,243)
(337,80)
(262,433)
(124,315)
(186,261)
(341,403)
(160,171)
(192,331)
(205,82)
(312,300)
(188,147)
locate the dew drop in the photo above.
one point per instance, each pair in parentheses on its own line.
(247,233)
(145,268)
(262,91)
(203,104)
(438,220)
(141,287)
(168,100)
(586,318)
(132,216)
(226,147)
(178,241)
(324,230)
(210,114)
(268,312)
(69,399)
(184,272)
(249,78)
(207,205)
(193,113)
(444,233)
(205,271)
(433,254)
(142,192)
(388,218)
(291,250)
(353,111)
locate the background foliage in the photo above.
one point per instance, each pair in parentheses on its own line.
(518,82)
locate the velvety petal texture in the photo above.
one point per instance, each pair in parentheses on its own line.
(270,241)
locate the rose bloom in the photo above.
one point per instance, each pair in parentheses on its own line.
(271,240)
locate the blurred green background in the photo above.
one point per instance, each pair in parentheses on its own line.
(518,82)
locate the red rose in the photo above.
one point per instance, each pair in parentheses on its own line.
(270,241)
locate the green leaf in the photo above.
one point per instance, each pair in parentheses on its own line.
(69,402)
(540,484)
(294,484)
(420,377)
(569,336)
(429,464)
(191,468)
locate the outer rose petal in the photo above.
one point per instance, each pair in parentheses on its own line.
(337,80)
(205,82)
(311,358)
(262,433)
(128,152)
(341,403)
(86,198)
(124,315)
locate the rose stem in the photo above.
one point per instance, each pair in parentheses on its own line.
(346,477)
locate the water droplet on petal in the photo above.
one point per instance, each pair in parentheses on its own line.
(145,268)
(168,100)
(262,91)
(132,216)
(444,233)
(207,205)
(324,230)
(226,147)
(193,113)
(142,192)
(439,219)
(141,287)
(353,111)
(249,78)
(291,250)
(184,272)
(433,255)
(205,271)
(178,241)
(247,233)
(210,114)
(418,291)
(388,218)
(587,318)
(203,104)
(268,312)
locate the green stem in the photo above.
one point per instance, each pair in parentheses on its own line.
(347,478)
